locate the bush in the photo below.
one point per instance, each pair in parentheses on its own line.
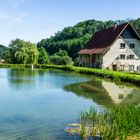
(59,60)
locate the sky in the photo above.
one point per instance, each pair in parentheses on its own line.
(33,20)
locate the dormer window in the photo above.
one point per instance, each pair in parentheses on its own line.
(122,46)
(132,45)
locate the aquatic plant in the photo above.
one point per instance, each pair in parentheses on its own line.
(117,123)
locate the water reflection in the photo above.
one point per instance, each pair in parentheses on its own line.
(21,78)
(106,92)
(33,104)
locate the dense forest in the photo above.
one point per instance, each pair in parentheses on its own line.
(72,39)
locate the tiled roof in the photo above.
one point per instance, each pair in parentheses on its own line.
(102,40)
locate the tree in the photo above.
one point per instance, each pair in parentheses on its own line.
(32,53)
(60,58)
(43,57)
(21,55)
(61,53)
(23,52)
(8,56)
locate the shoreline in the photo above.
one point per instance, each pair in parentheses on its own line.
(107,74)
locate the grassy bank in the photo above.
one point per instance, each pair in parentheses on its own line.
(117,76)
(117,123)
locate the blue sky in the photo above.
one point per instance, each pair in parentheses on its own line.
(34,20)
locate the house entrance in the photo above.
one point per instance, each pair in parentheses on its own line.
(114,67)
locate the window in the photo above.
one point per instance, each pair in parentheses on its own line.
(138,68)
(122,56)
(98,56)
(121,96)
(130,56)
(122,46)
(122,67)
(132,45)
(131,67)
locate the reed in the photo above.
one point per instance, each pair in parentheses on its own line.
(117,123)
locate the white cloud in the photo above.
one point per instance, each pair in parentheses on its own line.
(15,18)
(20,17)
(5,17)
(15,3)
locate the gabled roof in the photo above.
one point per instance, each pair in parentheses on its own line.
(102,40)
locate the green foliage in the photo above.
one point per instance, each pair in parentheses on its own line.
(76,61)
(22,52)
(43,57)
(136,24)
(60,58)
(61,53)
(3,50)
(119,122)
(71,39)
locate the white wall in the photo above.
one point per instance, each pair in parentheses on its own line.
(115,91)
(110,57)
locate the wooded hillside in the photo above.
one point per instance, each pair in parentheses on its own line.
(72,39)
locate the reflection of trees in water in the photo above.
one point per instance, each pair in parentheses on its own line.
(19,78)
(22,72)
(106,93)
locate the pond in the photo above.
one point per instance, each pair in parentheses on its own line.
(39,104)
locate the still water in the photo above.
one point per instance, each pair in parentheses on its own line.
(39,104)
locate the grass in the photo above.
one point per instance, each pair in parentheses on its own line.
(117,123)
(115,75)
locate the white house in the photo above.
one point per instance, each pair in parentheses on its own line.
(116,48)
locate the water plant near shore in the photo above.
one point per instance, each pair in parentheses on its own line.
(117,123)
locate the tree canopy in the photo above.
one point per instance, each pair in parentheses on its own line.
(60,58)
(3,50)
(22,52)
(43,57)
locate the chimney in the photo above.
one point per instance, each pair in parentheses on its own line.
(115,26)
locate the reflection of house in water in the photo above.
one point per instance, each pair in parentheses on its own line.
(117,92)
(106,93)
